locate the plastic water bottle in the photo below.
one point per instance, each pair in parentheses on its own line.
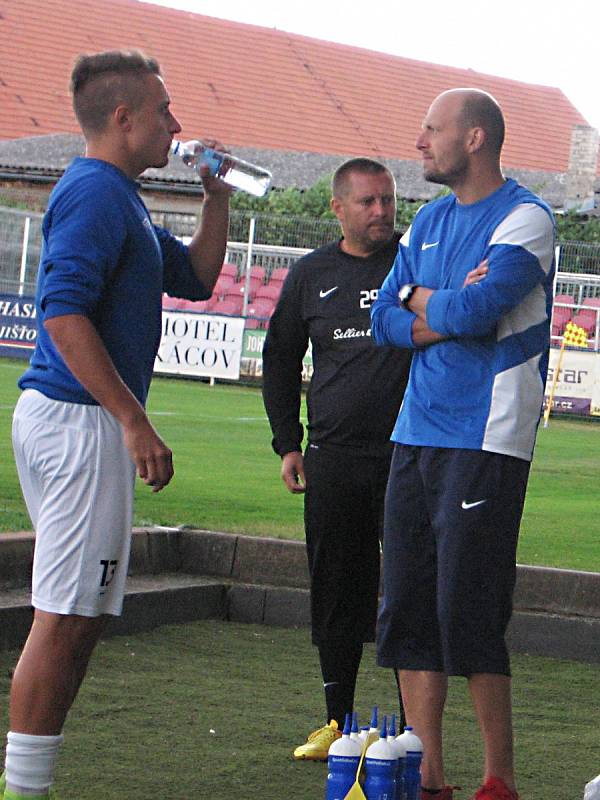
(240,174)
(363,734)
(414,754)
(592,789)
(380,769)
(342,763)
(354,734)
(373,734)
(401,753)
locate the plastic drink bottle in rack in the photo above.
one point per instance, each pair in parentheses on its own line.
(342,762)
(234,171)
(401,753)
(354,734)
(380,768)
(373,733)
(412,765)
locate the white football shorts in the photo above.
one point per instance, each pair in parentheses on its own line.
(77,478)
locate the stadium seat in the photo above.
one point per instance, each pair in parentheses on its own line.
(172,303)
(564,298)
(236,297)
(229,307)
(239,288)
(269,292)
(594,302)
(560,317)
(194,305)
(260,312)
(252,323)
(258,272)
(278,274)
(587,321)
(261,308)
(230,269)
(223,284)
(208,304)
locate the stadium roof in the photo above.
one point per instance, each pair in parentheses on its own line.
(257,87)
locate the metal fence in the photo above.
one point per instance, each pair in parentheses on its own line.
(271,240)
(20,244)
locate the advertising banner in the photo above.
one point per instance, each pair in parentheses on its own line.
(251,367)
(577,384)
(17,325)
(202,345)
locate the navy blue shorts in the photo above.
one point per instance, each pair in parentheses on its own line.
(450,538)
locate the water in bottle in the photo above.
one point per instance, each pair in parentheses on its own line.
(380,768)
(234,171)
(412,765)
(342,762)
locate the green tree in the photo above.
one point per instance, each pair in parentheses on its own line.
(572,227)
(314,202)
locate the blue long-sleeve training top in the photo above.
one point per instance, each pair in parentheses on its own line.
(482,387)
(104,259)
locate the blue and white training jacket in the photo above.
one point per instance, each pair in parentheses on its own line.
(483,387)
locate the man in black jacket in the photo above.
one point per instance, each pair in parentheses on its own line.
(353,400)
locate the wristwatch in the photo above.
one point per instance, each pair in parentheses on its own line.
(405,293)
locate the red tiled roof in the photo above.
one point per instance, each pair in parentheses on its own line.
(258,87)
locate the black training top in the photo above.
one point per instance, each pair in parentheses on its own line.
(356,388)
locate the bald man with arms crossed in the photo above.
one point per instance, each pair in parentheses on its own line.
(470,291)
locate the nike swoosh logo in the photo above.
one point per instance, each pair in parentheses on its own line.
(427,245)
(324,293)
(466,505)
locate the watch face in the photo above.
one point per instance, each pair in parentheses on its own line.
(405,292)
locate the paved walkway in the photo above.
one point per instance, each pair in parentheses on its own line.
(180,575)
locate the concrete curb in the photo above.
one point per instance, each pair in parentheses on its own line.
(180,575)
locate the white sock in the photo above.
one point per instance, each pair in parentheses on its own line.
(30,762)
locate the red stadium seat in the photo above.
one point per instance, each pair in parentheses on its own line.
(564,298)
(594,302)
(230,269)
(258,272)
(235,297)
(263,309)
(269,292)
(228,307)
(278,274)
(240,288)
(223,284)
(587,321)
(560,317)
(200,306)
(172,303)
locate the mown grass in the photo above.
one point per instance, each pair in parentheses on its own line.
(213,710)
(227,477)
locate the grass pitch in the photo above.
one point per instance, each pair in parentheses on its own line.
(214,710)
(227,477)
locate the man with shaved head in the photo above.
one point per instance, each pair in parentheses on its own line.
(470,291)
